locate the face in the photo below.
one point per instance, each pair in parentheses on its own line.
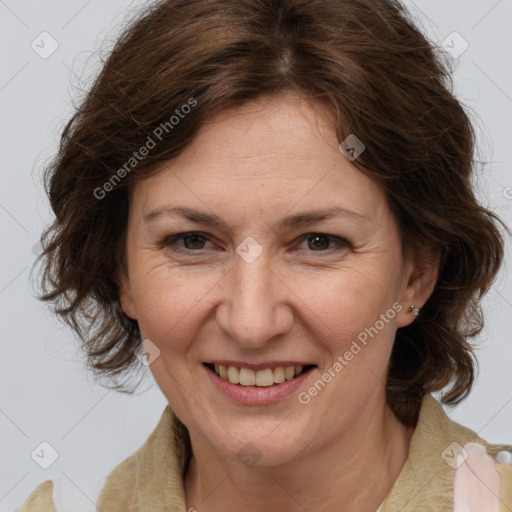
(256,291)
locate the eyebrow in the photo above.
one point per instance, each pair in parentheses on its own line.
(292,221)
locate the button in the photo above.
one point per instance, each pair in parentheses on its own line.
(504,457)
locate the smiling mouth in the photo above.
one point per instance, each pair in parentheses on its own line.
(260,378)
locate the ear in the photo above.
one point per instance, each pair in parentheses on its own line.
(125,294)
(420,278)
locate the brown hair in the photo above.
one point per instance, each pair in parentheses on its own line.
(369,63)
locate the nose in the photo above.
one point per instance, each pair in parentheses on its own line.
(255,304)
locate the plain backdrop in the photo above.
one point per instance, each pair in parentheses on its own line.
(46,395)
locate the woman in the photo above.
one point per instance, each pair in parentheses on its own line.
(269,204)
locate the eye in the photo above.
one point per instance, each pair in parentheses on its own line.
(319,242)
(193,241)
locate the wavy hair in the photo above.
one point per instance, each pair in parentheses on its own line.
(371,65)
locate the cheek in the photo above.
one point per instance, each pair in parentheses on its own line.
(347,303)
(168,303)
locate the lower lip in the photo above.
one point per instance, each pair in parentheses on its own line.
(255,395)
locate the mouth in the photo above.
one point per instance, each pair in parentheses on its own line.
(265,377)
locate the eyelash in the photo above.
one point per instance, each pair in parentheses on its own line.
(171,241)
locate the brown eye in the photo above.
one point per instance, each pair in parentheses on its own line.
(194,241)
(316,241)
(320,242)
(191,241)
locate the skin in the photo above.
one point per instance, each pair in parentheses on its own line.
(252,166)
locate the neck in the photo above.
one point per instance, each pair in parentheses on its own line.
(352,474)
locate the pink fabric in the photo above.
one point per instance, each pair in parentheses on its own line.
(476,481)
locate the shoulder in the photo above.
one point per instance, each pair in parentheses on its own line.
(483,476)
(120,488)
(152,476)
(41,500)
(479,473)
(118,492)
(450,468)
(156,465)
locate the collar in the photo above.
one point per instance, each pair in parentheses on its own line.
(154,473)
(152,478)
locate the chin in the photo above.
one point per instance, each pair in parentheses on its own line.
(257,445)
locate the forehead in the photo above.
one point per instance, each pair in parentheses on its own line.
(280,128)
(269,154)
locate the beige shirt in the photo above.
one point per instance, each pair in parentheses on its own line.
(449,469)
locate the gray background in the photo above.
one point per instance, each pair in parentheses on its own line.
(45,392)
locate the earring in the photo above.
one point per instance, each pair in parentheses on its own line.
(414,309)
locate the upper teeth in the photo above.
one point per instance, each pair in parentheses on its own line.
(248,377)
